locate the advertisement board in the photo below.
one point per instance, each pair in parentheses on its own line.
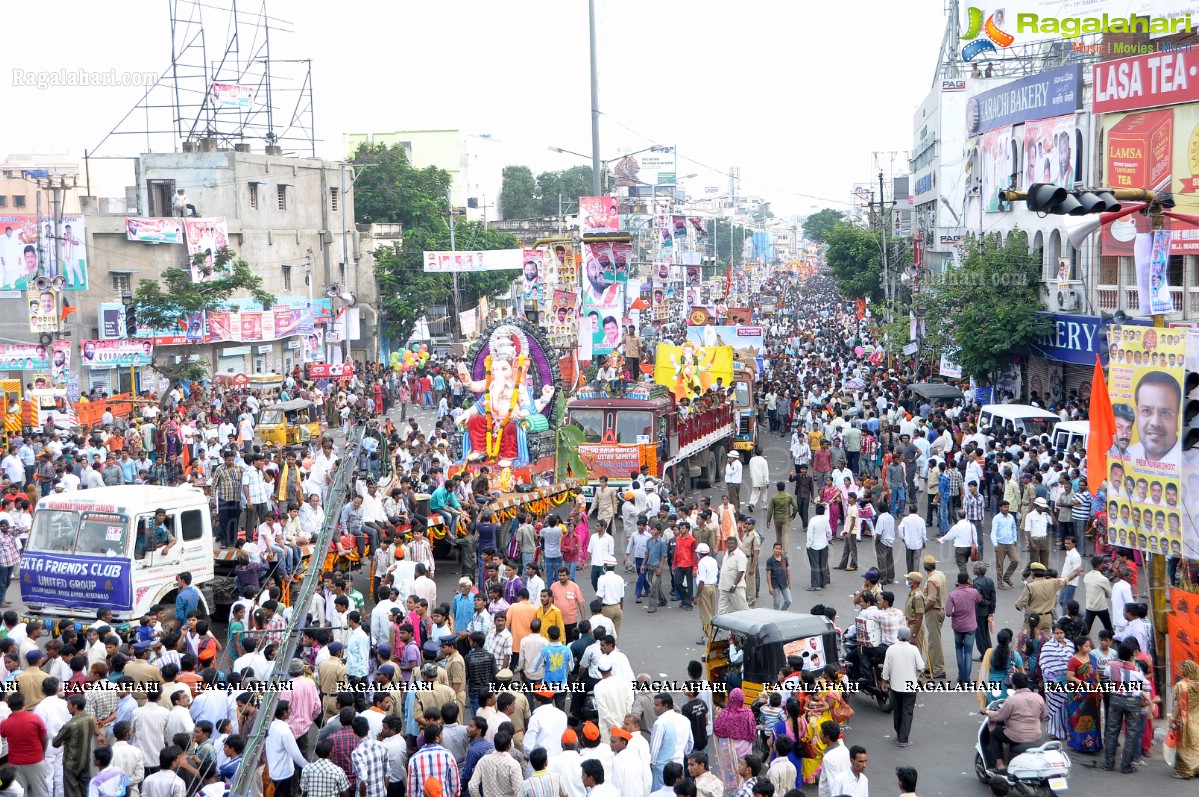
(1041,96)
(1144,379)
(82,582)
(24,357)
(205,236)
(1159,151)
(330,370)
(115,353)
(533,268)
(232,95)
(463,262)
(1145,81)
(1049,151)
(997,164)
(154,231)
(747,342)
(613,461)
(599,215)
(42,308)
(647,170)
(25,241)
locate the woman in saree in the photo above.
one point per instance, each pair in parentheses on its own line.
(736,723)
(1084,731)
(830,496)
(997,666)
(794,725)
(1184,721)
(1053,660)
(1029,642)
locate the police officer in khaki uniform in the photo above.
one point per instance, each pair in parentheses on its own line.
(751,545)
(1040,596)
(913,609)
(935,590)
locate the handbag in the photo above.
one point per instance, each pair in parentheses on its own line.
(1170,747)
(973,553)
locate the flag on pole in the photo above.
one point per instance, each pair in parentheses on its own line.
(1103,430)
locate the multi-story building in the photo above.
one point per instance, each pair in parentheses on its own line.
(475,162)
(19,188)
(291,219)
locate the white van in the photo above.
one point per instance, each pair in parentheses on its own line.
(1067,433)
(1018,419)
(93,549)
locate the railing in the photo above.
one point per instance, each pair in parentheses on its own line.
(1109,298)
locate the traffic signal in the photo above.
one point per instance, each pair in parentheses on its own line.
(1057,201)
(130,321)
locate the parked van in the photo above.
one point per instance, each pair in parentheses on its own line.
(1018,419)
(1068,433)
(93,549)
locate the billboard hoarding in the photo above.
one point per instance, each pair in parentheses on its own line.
(25,241)
(1048,151)
(205,236)
(1145,81)
(441,262)
(1047,94)
(154,231)
(599,215)
(115,353)
(24,357)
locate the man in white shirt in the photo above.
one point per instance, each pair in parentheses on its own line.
(1121,596)
(546,724)
(707,574)
(914,534)
(609,590)
(283,755)
(819,533)
(1036,528)
(836,760)
(1098,594)
(853,783)
(732,587)
(1071,574)
(884,543)
(901,672)
(964,539)
(732,479)
(601,547)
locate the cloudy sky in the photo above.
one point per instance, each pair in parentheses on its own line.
(798,95)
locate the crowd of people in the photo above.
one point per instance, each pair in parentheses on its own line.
(516,684)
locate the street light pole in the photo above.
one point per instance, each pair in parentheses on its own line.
(454,248)
(595,141)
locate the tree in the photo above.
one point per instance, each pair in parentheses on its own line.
(406,290)
(518,193)
(729,238)
(389,190)
(855,257)
(169,306)
(986,307)
(570,184)
(817,226)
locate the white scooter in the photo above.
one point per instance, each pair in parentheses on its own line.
(1033,770)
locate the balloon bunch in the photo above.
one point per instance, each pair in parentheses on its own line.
(414,357)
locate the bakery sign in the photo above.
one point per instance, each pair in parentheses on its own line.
(1146,81)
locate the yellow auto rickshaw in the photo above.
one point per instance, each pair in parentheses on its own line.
(289,423)
(749,648)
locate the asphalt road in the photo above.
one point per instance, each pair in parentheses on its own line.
(946,725)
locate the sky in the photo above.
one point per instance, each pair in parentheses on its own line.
(798,95)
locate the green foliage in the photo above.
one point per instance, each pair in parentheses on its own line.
(856,260)
(518,193)
(406,290)
(729,238)
(390,191)
(168,305)
(570,183)
(568,462)
(988,306)
(821,223)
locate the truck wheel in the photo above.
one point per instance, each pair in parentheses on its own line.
(680,477)
(708,476)
(720,452)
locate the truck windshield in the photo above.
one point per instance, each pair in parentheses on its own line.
(741,394)
(591,422)
(633,425)
(88,533)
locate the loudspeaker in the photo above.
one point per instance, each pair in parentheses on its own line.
(42,284)
(333,291)
(1079,227)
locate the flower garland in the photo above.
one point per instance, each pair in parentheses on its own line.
(493,450)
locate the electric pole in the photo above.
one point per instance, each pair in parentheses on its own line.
(449,194)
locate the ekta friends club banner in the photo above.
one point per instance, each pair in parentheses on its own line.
(1145,379)
(690,369)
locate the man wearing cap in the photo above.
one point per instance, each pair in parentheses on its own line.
(546,724)
(1036,529)
(751,546)
(732,479)
(707,575)
(731,595)
(596,756)
(29,682)
(630,776)
(330,673)
(613,698)
(610,591)
(431,694)
(1039,596)
(935,590)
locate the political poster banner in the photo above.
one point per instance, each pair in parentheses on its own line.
(115,353)
(689,370)
(43,310)
(1151,254)
(1145,378)
(232,95)
(440,262)
(60,365)
(565,265)
(205,238)
(27,244)
(598,293)
(605,328)
(562,313)
(24,357)
(314,346)
(533,268)
(1049,151)
(748,342)
(154,231)
(995,160)
(599,215)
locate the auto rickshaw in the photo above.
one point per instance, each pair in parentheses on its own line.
(289,423)
(765,639)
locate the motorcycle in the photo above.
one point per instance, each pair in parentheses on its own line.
(1033,769)
(867,676)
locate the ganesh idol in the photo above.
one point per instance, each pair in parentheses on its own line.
(505,398)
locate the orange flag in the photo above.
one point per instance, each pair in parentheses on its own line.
(1103,430)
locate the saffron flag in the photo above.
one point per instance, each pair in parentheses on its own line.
(1103,430)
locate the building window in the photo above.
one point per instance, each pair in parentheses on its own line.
(3,201)
(1109,270)
(121,283)
(18,201)
(281,192)
(1174,271)
(253,196)
(333,199)
(287,278)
